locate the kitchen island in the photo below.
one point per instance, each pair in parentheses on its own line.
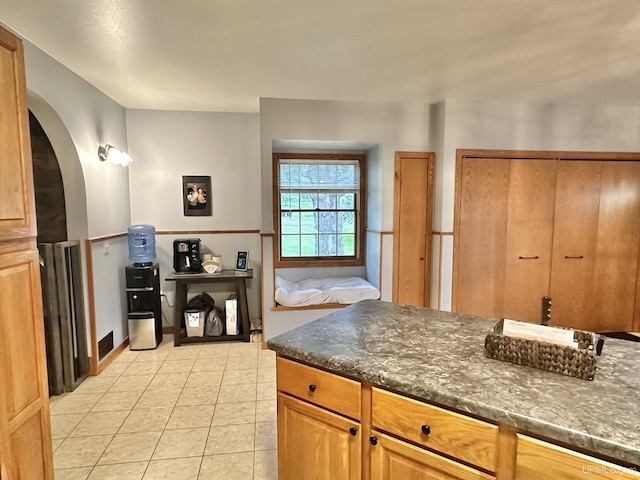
(424,355)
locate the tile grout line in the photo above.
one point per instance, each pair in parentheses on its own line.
(225,373)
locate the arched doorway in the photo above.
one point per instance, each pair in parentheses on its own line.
(60,211)
(75,196)
(48,185)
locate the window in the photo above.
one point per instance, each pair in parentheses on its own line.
(318,209)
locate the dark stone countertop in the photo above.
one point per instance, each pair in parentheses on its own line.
(439,357)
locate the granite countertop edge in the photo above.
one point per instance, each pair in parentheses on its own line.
(580,440)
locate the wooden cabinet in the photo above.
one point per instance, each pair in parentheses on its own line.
(322,388)
(25,433)
(325,432)
(564,228)
(392,459)
(457,436)
(314,442)
(538,460)
(393,437)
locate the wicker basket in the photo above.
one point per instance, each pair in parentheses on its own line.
(576,362)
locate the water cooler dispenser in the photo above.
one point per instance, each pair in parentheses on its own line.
(143,290)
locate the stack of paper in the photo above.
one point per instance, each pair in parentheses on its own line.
(541,333)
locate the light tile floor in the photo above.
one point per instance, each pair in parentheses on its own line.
(199,411)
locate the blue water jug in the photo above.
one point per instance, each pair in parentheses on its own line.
(142,243)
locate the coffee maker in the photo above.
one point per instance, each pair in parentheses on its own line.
(186,255)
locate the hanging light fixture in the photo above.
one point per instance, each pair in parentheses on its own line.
(114,155)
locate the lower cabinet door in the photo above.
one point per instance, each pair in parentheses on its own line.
(392,459)
(315,444)
(538,460)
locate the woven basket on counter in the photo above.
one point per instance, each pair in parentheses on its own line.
(576,362)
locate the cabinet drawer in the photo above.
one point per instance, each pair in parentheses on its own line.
(538,460)
(319,387)
(465,438)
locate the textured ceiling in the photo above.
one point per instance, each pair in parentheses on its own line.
(223,55)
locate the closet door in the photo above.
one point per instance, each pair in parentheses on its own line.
(616,268)
(618,242)
(479,255)
(568,229)
(575,242)
(413,211)
(596,242)
(532,191)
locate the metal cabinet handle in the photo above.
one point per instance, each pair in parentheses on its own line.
(535,257)
(353,431)
(312,388)
(373,440)
(426,429)
(574,256)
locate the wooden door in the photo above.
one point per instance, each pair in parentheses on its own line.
(575,242)
(481,236)
(413,213)
(616,269)
(538,460)
(531,202)
(316,444)
(25,435)
(511,217)
(393,459)
(596,240)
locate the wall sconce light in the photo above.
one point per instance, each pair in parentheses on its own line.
(114,155)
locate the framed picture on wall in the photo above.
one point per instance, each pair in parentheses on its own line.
(195,195)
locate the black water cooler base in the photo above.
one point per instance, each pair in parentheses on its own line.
(144,305)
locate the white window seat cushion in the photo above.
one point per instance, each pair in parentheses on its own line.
(316,291)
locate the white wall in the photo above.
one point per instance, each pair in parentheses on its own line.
(225,146)
(110,259)
(521,127)
(385,128)
(167,145)
(91,119)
